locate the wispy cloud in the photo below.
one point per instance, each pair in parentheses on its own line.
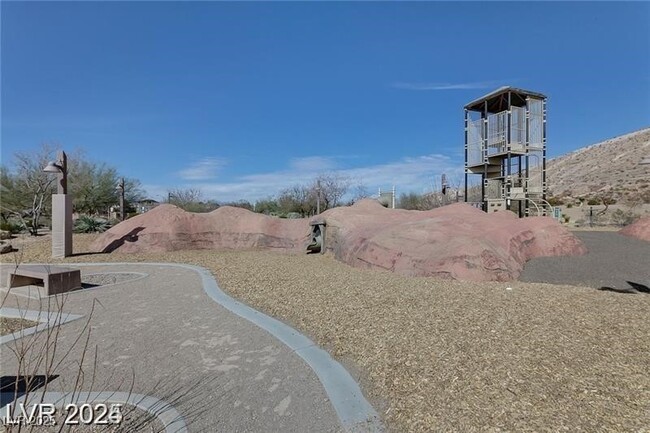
(313,163)
(204,169)
(417,173)
(446,86)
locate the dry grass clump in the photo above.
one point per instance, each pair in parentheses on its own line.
(437,355)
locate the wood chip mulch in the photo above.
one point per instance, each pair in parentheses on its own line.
(438,355)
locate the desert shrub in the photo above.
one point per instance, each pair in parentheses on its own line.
(555,201)
(623,218)
(593,202)
(88,224)
(12,227)
(569,206)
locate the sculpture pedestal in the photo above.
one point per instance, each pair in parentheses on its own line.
(61,225)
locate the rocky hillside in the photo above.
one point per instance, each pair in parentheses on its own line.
(609,169)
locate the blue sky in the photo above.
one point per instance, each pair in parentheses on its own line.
(244,99)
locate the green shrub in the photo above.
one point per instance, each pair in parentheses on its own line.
(12,227)
(88,224)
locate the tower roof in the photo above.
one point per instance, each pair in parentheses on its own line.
(497,100)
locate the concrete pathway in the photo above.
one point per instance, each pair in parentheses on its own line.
(219,371)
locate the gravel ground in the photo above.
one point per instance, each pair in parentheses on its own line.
(9,325)
(437,355)
(613,259)
(108,278)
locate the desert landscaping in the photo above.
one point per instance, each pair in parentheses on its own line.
(446,318)
(325,217)
(431,353)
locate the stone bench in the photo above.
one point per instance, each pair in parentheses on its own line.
(55,279)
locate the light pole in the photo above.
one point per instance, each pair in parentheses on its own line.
(120,188)
(61,208)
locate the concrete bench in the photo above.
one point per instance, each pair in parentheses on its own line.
(55,279)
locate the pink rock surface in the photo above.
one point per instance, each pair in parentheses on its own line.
(169,228)
(456,241)
(639,229)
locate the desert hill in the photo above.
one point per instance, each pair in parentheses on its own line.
(608,168)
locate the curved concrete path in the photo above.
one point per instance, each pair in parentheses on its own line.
(219,370)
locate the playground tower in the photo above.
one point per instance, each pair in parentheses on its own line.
(505,144)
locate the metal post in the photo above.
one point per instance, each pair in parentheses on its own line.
(527,158)
(444,189)
(519,206)
(62,177)
(318,197)
(121,188)
(484,145)
(393,198)
(466,152)
(544,149)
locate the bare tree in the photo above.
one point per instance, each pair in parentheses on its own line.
(191,200)
(24,191)
(332,189)
(359,192)
(299,198)
(414,201)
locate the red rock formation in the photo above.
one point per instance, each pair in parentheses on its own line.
(456,241)
(639,229)
(169,228)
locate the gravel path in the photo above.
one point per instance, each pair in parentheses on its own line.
(612,260)
(438,355)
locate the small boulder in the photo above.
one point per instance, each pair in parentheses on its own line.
(5,247)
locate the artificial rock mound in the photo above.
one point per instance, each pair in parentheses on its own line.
(169,228)
(639,229)
(456,241)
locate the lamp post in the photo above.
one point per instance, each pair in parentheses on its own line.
(120,188)
(61,208)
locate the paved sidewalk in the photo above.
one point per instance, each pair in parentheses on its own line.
(221,372)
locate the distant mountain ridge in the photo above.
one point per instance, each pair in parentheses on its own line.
(609,168)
